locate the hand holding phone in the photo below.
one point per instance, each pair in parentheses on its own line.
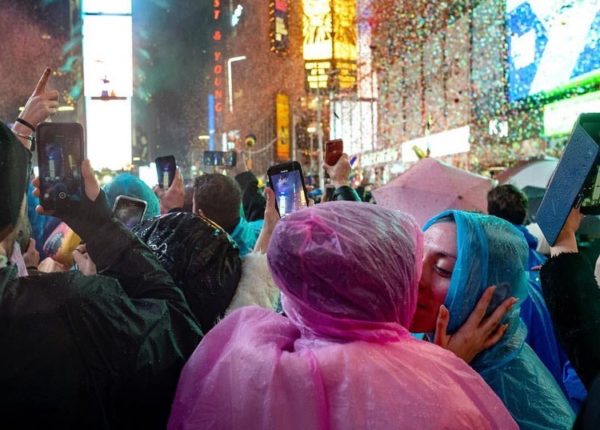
(60,154)
(287,182)
(576,180)
(165,171)
(340,172)
(220,158)
(130,211)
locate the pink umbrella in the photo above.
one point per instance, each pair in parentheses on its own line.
(430,187)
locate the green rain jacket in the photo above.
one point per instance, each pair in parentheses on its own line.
(94,352)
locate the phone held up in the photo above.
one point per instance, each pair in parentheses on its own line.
(220,158)
(333,151)
(130,211)
(165,170)
(576,180)
(61,150)
(287,182)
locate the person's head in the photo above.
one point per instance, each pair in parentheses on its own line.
(202,260)
(218,198)
(125,184)
(464,253)
(508,202)
(347,270)
(14,175)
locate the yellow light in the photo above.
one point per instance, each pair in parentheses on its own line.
(317,28)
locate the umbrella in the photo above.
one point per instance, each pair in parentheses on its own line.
(533,173)
(430,187)
(535,195)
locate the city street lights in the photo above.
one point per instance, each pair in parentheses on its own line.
(230,79)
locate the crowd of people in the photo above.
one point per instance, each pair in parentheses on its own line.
(214,313)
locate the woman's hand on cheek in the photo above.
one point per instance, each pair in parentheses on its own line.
(478,333)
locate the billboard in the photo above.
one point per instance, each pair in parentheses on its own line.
(282,123)
(329,30)
(108,81)
(553,46)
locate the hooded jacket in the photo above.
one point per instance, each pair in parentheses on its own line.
(202,259)
(343,359)
(93,352)
(491,251)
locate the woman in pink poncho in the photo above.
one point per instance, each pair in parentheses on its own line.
(343,359)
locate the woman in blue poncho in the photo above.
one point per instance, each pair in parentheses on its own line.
(464,254)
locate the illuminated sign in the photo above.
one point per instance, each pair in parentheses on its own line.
(108,76)
(282,122)
(553,46)
(559,117)
(330,43)
(385,156)
(449,142)
(218,72)
(279,25)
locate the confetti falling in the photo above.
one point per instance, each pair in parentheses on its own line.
(442,65)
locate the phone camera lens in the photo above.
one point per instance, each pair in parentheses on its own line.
(62,195)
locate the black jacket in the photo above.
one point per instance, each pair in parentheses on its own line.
(573,299)
(253,201)
(93,352)
(346,193)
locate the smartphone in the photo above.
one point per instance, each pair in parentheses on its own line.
(220,158)
(60,154)
(130,211)
(501,293)
(287,183)
(576,181)
(165,170)
(333,151)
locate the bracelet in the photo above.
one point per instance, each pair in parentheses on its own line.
(26,124)
(30,138)
(24,136)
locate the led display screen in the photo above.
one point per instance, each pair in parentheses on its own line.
(553,45)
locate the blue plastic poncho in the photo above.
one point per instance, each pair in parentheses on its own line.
(246,233)
(491,251)
(126,184)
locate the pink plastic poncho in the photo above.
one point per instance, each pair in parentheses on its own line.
(343,359)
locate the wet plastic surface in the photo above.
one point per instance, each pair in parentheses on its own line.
(200,257)
(342,360)
(492,251)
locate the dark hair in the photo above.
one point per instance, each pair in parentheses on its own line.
(220,198)
(508,202)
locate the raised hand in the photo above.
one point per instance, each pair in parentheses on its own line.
(478,333)
(173,197)
(340,172)
(271,220)
(41,104)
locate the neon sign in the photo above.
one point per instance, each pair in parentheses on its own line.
(330,43)
(279,25)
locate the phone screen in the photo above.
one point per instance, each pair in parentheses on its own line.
(219,158)
(165,170)
(289,191)
(60,156)
(129,211)
(333,151)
